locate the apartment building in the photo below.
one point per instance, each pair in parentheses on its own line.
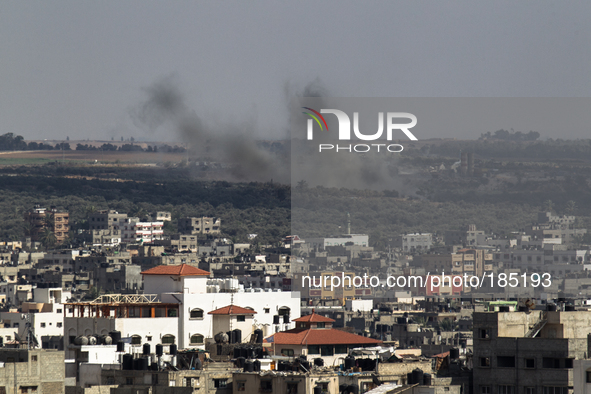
(529,352)
(416,242)
(201,225)
(40,219)
(40,320)
(174,309)
(464,261)
(105,219)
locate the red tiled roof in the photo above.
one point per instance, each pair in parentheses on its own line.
(232,310)
(299,336)
(314,318)
(177,270)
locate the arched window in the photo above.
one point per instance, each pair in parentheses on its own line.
(284,310)
(136,339)
(196,313)
(197,339)
(168,339)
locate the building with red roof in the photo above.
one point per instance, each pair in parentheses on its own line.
(182,304)
(183,278)
(233,317)
(315,337)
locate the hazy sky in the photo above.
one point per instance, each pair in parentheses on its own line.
(78,69)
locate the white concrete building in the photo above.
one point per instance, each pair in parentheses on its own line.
(416,242)
(44,314)
(132,230)
(175,309)
(343,240)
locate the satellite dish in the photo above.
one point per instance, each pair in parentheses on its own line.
(23,316)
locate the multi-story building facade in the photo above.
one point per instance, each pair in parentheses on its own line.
(134,231)
(32,371)
(464,261)
(40,219)
(529,352)
(416,242)
(175,309)
(105,219)
(201,225)
(40,321)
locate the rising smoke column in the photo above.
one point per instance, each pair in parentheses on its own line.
(232,144)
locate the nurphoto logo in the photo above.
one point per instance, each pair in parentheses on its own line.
(344,133)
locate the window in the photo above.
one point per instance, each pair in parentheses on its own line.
(136,340)
(320,325)
(168,339)
(241,386)
(485,362)
(326,350)
(191,382)
(484,333)
(129,381)
(266,386)
(292,388)
(33,358)
(149,338)
(196,313)
(154,379)
(313,349)
(196,339)
(340,349)
(283,311)
(505,361)
(588,373)
(58,311)
(548,362)
(530,390)
(240,318)
(220,383)
(485,390)
(506,390)
(287,352)
(42,325)
(568,363)
(530,363)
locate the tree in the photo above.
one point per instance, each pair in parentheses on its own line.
(28,228)
(548,206)
(48,220)
(302,185)
(446,325)
(570,207)
(47,238)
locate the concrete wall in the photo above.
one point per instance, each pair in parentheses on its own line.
(35,368)
(580,383)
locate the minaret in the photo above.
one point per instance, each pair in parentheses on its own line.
(348,224)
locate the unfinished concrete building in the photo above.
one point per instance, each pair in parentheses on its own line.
(529,352)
